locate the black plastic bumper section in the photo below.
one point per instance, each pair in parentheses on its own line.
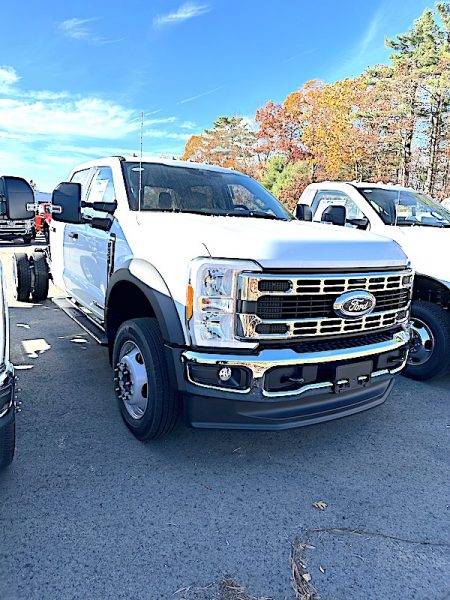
(353,386)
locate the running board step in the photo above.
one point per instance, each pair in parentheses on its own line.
(82,320)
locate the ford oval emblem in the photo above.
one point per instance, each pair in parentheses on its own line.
(354,305)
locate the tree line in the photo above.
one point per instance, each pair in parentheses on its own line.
(390,124)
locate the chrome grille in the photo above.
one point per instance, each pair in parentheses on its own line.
(281,306)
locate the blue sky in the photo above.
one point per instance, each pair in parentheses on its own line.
(75,76)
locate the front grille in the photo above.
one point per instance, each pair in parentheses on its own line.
(309,306)
(274,307)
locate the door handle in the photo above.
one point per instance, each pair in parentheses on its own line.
(73,236)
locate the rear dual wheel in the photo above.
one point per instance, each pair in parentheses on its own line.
(31,276)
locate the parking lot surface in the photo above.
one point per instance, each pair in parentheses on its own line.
(87,511)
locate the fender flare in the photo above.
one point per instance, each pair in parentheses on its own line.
(157,294)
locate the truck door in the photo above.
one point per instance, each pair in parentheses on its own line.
(89,250)
(62,238)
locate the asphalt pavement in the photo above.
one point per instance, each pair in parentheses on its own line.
(88,512)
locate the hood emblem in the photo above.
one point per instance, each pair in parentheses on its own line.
(354,305)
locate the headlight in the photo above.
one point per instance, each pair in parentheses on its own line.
(211,301)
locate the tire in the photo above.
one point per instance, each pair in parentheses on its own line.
(27,239)
(430,341)
(41,277)
(149,406)
(7,443)
(22,277)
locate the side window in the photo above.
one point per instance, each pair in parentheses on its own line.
(323,199)
(82,177)
(100,190)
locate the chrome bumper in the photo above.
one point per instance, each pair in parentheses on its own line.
(267,359)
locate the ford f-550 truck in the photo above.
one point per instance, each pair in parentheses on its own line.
(422,227)
(215,302)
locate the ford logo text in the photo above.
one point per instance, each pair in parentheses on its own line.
(354,305)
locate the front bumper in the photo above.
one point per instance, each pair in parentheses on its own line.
(15,231)
(7,396)
(345,381)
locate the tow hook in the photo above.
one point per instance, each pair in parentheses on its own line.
(341,385)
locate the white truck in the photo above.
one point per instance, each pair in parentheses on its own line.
(216,303)
(422,227)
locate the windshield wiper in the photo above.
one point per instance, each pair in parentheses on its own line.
(254,215)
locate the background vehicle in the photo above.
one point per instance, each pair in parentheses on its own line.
(216,303)
(24,229)
(422,227)
(19,189)
(43,219)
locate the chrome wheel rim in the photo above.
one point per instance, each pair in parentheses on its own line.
(131,380)
(422,343)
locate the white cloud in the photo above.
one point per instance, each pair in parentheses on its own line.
(90,117)
(8,77)
(159,121)
(370,34)
(81,29)
(192,98)
(186,11)
(170,135)
(190,125)
(77,28)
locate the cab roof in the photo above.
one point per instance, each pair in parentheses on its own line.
(109,160)
(362,184)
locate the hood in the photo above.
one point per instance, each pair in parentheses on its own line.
(274,244)
(427,248)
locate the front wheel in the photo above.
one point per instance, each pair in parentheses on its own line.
(147,402)
(429,354)
(27,239)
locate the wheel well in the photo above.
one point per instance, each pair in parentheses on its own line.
(429,289)
(126,301)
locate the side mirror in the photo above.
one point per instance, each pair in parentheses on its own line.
(362,223)
(108,207)
(66,203)
(334,214)
(16,199)
(303,212)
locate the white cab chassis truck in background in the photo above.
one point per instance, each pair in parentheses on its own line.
(422,227)
(217,304)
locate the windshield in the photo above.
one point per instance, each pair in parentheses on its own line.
(406,208)
(203,191)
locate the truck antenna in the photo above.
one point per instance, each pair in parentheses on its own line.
(140,163)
